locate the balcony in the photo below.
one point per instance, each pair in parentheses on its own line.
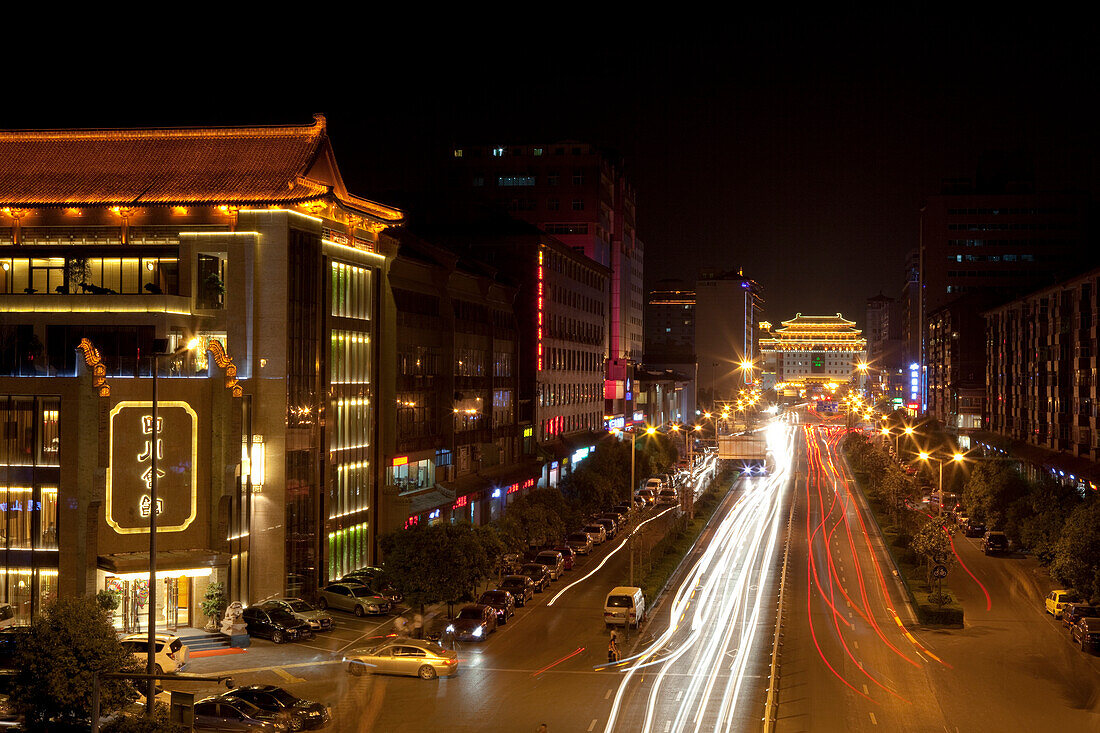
(110,303)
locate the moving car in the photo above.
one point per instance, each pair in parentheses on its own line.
(520,587)
(579,542)
(276,624)
(646,497)
(358,599)
(502,602)
(538,574)
(172,655)
(301,714)
(994,542)
(317,620)
(474,622)
(225,712)
(1058,600)
(1086,632)
(667,497)
(1074,612)
(401,655)
(553,561)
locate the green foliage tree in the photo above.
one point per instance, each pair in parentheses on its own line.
(440,562)
(70,640)
(108,600)
(992,489)
(537,518)
(1076,561)
(931,544)
(214,602)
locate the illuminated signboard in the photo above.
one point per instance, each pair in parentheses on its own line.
(580,455)
(639,417)
(914,382)
(133,439)
(538,312)
(615,423)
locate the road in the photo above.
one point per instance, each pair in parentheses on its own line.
(855,660)
(706,669)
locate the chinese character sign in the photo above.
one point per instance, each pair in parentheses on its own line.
(135,440)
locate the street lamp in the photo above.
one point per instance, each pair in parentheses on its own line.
(150,693)
(956,457)
(649,430)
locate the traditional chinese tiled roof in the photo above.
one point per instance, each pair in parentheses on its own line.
(264,165)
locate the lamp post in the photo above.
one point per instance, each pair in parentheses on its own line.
(150,693)
(957,458)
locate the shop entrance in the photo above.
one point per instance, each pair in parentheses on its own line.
(174,603)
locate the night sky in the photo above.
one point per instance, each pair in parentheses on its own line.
(799,152)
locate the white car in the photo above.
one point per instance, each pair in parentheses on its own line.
(172,654)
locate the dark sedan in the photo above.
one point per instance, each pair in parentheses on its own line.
(301,714)
(1074,612)
(474,623)
(276,624)
(1086,632)
(226,712)
(538,574)
(502,602)
(521,588)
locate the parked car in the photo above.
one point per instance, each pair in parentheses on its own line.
(10,639)
(358,599)
(597,532)
(301,714)
(667,497)
(623,510)
(1074,612)
(647,497)
(608,525)
(624,605)
(172,655)
(225,712)
(401,655)
(7,615)
(502,602)
(654,484)
(521,588)
(615,514)
(276,624)
(317,620)
(474,623)
(1058,599)
(553,561)
(379,585)
(1086,632)
(994,542)
(974,528)
(509,563)
(568,556)
(538,573)
(579,542)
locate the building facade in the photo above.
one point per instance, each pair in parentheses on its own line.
(131,243)
(815,350)
(956,363)
(670,336)
(728,307)
(579,194)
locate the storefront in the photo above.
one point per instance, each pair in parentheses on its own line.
(182,578)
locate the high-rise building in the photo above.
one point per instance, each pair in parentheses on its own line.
(579,194)
(239,251)
(728,307)
(670,338)
(885,347)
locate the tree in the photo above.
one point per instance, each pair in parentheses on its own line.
(537,518)
(214,603)
(991,490)
(440,562)
(70,640)
(1077,554)
(932,544)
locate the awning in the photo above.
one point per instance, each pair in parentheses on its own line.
(1067,463)
(167,561)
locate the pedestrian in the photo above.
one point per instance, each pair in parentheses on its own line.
(400,625)
(542,729)
(612,651)
(418,626)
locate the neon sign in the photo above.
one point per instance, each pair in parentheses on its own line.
(538,312)
(133,440)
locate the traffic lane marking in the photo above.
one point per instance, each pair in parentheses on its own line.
(287,675)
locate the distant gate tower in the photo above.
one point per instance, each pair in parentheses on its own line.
(809,350)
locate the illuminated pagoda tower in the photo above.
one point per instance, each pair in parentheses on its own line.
(814,350)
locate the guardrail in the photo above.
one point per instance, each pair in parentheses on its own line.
(771,704)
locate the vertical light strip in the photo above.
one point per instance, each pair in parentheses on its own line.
(539,311)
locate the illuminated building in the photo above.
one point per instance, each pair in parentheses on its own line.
(808,350)
(670,336)
(579,194)
(138,240)
(459,450)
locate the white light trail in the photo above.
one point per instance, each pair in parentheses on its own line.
(713,617)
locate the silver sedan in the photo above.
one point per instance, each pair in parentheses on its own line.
(400,655)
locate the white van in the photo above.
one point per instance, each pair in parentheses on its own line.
(625,605)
